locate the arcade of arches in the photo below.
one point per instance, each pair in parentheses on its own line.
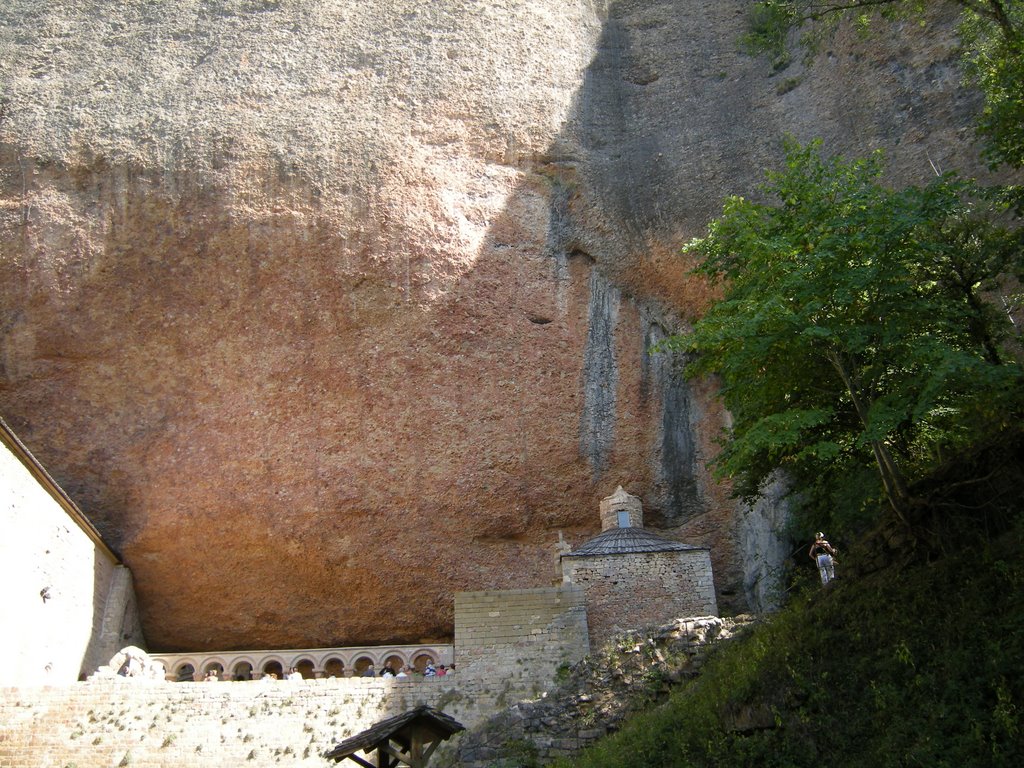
(312,663)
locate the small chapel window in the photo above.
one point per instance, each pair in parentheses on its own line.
(623,518)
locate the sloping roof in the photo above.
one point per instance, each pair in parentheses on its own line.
(398,728)
(625,541)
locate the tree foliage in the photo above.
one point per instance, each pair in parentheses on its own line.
(857,342)
(992,35)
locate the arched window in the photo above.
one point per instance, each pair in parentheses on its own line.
(273,668)
(242,671)
(214,671)
(186,673)
(334,668)
(421,661)
(306,668)
(361,664)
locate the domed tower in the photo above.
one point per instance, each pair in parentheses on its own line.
(621,510)
(635,578)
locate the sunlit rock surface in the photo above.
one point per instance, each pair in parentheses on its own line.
(323,311)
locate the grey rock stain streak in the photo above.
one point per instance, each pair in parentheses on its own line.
(600,374)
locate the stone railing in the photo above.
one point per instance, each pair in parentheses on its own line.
(312,663)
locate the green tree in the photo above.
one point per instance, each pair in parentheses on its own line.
(992,35)
(855,331)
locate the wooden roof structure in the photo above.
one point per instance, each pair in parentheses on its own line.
(407,739)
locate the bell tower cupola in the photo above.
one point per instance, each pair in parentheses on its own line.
(621,510)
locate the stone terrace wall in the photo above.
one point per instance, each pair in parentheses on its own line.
(216,725)
(508,646)
(634,590)
(520,634)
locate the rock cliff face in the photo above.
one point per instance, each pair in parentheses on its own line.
(325,310)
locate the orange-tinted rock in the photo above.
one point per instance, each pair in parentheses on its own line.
(323,312)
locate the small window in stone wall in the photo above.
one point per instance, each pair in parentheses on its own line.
(623,518)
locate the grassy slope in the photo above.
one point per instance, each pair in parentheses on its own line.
(918,665)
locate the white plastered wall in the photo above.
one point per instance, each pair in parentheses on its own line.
(56,580)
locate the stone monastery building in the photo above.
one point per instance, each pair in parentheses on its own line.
(73,599)
(635,578)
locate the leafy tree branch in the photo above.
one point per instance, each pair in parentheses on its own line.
(857,327)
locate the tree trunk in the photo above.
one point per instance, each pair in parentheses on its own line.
(892,479)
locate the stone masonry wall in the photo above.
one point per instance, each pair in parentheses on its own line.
(508,646)
(216,725)
(630,674)
(520,634)
(642,589)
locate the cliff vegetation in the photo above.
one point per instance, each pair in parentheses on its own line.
(869,350)
(913,664)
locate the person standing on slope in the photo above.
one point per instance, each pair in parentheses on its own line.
(823,554)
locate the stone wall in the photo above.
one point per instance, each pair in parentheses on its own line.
(509,645)
(626,676)
(65,590)
(635,590)
(145,724)
(186,725)
(520,634)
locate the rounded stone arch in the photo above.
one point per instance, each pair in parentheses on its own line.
(419,658)
(214,662)
(394,659)
(298,658)
(184,671)
(362,661)
(242,668)
(334,666)
(305,665)
(272,663)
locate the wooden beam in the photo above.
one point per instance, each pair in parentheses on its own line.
(416,747)
(400,757)
(360,760)
(430,750)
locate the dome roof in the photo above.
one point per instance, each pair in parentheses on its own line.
(624,541)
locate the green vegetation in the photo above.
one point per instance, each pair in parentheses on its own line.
(866,352)
(919,665)
(858,342)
